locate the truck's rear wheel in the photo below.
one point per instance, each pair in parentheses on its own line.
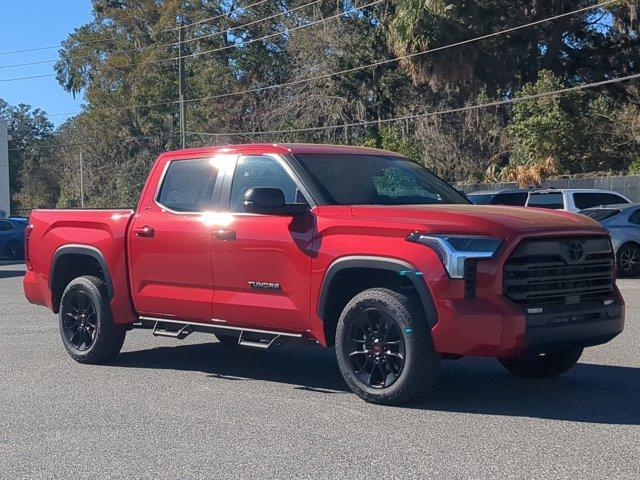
(86,325)
(549,364)
(384,348)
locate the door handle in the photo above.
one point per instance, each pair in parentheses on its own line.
(146,232)
(225,235)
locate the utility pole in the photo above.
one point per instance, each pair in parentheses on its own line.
(181,84)
(81,180)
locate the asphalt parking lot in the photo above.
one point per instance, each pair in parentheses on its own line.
(196,409)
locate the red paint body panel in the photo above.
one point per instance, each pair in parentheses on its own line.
(183,271)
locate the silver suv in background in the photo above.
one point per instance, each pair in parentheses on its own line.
(570,200)
(623,223)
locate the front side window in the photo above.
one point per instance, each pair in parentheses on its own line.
(553,201)
(595,199)
(261,171)
(188,185)
(353,179)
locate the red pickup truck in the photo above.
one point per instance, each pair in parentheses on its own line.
(355,248)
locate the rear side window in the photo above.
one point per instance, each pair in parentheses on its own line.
(635,217)
(514,199)
(188,186)
(553,201)
(600,214)
(5,226)
(589,200)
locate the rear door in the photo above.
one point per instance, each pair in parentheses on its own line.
(262,263)
(170,242)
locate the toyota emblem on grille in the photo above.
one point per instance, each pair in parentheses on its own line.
(576,251)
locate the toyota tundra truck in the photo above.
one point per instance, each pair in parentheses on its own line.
(353,248)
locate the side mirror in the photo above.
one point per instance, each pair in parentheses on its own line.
(270,201)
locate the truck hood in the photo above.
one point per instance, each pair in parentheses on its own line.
(479,220)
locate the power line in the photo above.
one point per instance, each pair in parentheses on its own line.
(51,47)
(496,103)
(362,67)
(168,45)
(81,144)
(287,31)
(227,47)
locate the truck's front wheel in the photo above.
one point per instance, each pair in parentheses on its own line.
(384,348)
(86,325)
(543,365)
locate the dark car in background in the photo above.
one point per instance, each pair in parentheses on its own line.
(12,237)
(569,199)
(623,223)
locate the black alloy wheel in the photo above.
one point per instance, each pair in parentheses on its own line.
(79,324)
(377,349)
(629,260)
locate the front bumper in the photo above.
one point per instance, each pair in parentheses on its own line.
(496,327)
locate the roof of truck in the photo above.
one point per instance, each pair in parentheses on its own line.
(282,148)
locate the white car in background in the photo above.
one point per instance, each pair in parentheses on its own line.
(568,199)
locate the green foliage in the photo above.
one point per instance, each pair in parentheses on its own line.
(120,62)
(548,126)
(393,139)
(634,168)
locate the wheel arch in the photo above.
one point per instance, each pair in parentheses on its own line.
(71,261)
(373,271)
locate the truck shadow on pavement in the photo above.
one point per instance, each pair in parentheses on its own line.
(589,393)
(11,273)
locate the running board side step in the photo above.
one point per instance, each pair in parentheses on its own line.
(247,337)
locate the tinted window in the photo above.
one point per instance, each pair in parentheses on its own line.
(261,171)
(635,217)
(515,199)
(600,214)
(589,200)
(376,180)
(552,201)
(481,199)
(5,226)
(188,186)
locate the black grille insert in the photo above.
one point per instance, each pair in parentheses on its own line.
(560,271)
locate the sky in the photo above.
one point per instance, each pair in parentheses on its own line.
(28,24)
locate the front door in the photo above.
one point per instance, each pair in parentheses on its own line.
(262,263)
(170,244)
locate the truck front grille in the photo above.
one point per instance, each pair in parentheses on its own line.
(560,271)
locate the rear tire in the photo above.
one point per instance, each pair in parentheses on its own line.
(86,325)
(629,260)
(384,348)
(550,364)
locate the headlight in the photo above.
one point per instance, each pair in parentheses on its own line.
(454,250)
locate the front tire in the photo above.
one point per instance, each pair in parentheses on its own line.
(629,260)
(88,332)
(384,348)
(545,365)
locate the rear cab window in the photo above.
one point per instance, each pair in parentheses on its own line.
(552,201)
(517,199)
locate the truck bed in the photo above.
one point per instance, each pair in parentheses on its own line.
(101,231)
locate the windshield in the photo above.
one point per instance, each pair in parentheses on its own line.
(376,180)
